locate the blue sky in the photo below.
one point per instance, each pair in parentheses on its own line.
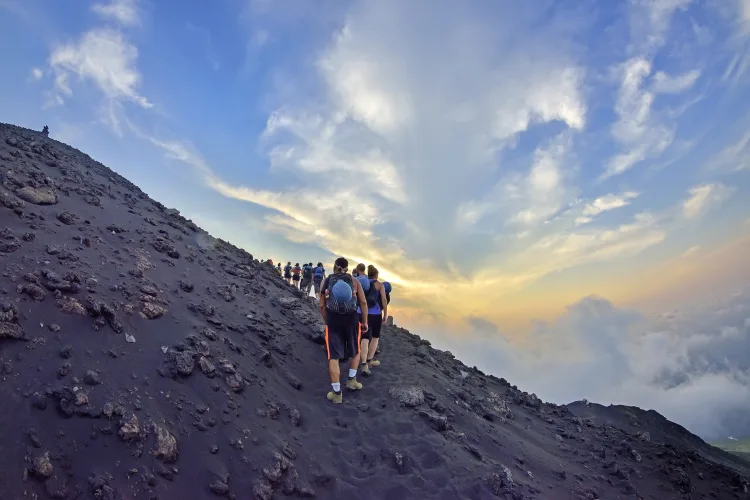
(545,151)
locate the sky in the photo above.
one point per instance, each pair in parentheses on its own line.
(558,191)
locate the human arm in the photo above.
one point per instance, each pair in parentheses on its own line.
(323,310)
(383,302)
(362,305)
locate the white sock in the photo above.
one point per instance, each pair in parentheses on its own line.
(336,387)
(352,372)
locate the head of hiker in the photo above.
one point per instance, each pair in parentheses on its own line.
(359,270)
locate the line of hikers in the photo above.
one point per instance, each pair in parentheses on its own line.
(354,307)
(303,277)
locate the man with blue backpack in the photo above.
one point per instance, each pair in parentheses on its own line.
(319,273)
(340,295)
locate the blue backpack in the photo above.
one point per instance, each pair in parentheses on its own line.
(319,272)
(340,306)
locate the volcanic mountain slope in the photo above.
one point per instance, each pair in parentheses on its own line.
(142,358)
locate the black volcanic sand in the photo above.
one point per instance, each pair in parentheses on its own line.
(223,391)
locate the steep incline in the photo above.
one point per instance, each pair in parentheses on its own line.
(142,358)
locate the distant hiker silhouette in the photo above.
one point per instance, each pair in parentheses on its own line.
(45,131)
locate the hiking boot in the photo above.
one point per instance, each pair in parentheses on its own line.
(335,398)
(373,362)
(365,370)
(353,385)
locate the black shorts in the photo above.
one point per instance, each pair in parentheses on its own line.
(317,285)
(296,277)
(288,276)
(342,335)
(374,323)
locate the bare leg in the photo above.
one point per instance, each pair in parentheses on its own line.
(355,363)
(364,345)
(333,370)
(373,348)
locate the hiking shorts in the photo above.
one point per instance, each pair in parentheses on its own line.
(374,323)
(317,284)
(295,277)
(342,335)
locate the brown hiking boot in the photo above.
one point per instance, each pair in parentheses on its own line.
(353,385)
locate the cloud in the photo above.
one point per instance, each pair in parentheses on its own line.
(423,151)
(691,251)
(604,204)
(694,368)
(105,58)
(543,189)
(735,157)
(36,74)
(704,197)
(636,129)
(665,84)
(124,12)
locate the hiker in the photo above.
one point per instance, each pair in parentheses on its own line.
(45,131)
(278,269)
(377,312)
(295,275)
(307,277)
(359,270)
(339,296)
(318,274)
(288,273)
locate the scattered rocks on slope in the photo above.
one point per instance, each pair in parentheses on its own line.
(166,445)
(410,396)
(37,196)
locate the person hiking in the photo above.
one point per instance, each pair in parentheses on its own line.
(377,312)
(278,269)
(45,131)
(288,273)
(295,275)
(319,273)
(359,270)
(307,277)
(339,296)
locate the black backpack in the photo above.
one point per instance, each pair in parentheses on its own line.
(307,272)
(372,295)
(337,306)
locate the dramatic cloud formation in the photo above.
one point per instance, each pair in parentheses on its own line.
(694,367)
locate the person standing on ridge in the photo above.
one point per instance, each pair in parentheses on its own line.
(278,269)
(288,273)
(307,276)
(295,275)
(377,312)
(319,273)
(339,296)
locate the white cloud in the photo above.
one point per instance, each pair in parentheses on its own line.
(36,74)
(691,251)
(665,84)
(124,12)
(422,151)
(735,157)
(704,197)
(604,204)
(105,58)
(609,202)
(543,188)
(693,368)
